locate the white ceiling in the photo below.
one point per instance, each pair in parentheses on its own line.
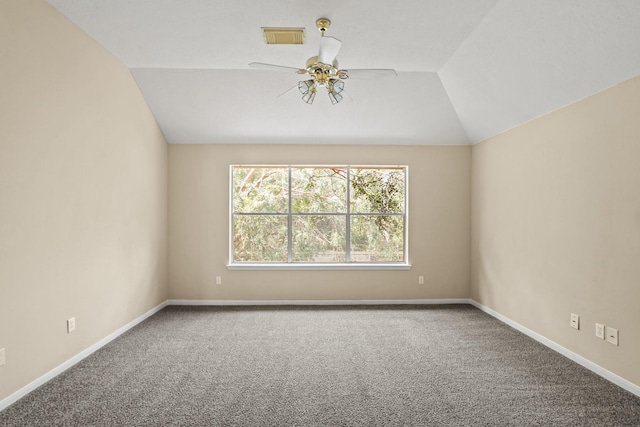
(467,69)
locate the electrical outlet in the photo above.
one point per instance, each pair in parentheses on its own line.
(71,325)
(2,359)
(612,335)
(600,330)
(420,280)
(218,280)
(574,322)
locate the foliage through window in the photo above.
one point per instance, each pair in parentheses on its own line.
(318,214)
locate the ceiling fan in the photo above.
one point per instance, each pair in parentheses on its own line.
(324,70)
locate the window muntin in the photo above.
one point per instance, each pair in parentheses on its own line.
(312,215)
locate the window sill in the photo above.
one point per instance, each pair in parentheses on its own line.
(319,266)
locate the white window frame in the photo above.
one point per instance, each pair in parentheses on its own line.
(347,265)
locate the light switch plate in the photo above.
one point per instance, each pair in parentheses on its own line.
(2,359)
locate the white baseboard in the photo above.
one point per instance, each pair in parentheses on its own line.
(4,403)
(317,302)
(608,375)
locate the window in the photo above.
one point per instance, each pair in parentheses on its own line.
(318,216)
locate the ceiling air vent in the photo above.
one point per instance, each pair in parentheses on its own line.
(283,35)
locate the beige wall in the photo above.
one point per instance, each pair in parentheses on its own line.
(439,225)
(83,186)
(556,225)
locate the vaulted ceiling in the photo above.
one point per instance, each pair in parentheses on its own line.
(467,69)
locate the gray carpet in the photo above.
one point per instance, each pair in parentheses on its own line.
(325,366)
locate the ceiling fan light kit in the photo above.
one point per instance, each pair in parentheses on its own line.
(324,70)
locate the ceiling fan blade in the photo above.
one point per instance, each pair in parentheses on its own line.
(287,91)
(261,66)
(370,74)
(329,48)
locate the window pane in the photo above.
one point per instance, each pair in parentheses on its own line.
(260,190)
(319,190)
(260,238)
(319,238)
(377,190)
(377,238)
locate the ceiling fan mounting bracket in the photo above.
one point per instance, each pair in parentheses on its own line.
(323,24)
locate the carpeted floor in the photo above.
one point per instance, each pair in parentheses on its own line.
(325,366)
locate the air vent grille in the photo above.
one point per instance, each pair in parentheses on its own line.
(283,35)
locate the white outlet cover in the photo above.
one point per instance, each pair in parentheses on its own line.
(71,325)
(599,330)
(2,359)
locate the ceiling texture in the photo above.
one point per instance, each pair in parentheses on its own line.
(467,69)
